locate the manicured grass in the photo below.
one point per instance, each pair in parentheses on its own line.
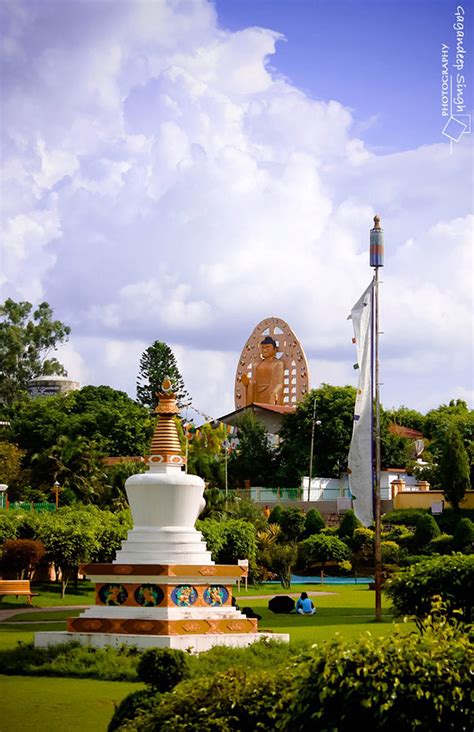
(348,611)
(55,705)
(49,595)
(47,615)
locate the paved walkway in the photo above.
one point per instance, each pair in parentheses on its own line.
(8,613)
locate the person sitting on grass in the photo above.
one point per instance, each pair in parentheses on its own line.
(304,606)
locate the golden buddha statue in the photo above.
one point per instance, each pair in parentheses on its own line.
(265,385)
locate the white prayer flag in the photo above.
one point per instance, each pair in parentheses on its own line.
(360,452)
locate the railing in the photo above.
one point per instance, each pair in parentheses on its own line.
(270,495)
(26,506)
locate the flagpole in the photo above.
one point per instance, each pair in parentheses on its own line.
(376,261)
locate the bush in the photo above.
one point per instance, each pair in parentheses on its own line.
(163,668)
(71,660)
(399,682)
(426,529)
(397,533)
(233,700)
(131,707)
(390,552)
(403,516)
(442,544)
(348,525)
(292,523)
(363,541)
(230,540)
(275,515)
(313,523)
(405,682)
(451,578)
(449,519)
(464,535)
(20,557)
(319,549)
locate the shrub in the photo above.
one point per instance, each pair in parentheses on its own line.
(21,557)
(72,660)
(233,700)
(363,541)
(390,552)
(313,523)
(442,544)
(464,535)
(163,668)
(275,515)
(230,540)
(404,516)
(452,578)
(330,531)
(131,707)
(348,525)
(426,529)
(395,533)
(292,523)
(319,549)
(399,682)
(449,519)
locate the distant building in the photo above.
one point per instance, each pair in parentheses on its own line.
(51,385)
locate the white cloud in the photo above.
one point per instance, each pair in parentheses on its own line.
(164,183)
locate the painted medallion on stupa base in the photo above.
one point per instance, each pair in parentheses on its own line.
(272,368)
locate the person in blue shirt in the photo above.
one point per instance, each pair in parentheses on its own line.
(304,606)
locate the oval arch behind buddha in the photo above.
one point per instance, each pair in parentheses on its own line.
(271,375)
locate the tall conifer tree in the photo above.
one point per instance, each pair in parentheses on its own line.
(156,363)
(454,468)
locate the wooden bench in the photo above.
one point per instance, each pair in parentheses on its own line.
(16,588)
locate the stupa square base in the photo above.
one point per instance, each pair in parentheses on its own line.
(195,643)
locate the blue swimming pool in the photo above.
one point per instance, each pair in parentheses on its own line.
(328,580)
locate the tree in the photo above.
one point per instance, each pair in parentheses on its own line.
(454,468)
(438,423)
(292,523)
(97,417)
(69,538)
(319,549)
(335,411)
(254,460)
(206,454)
(280,559)
(26,341)
(10,463)
(21,557)
(156,363)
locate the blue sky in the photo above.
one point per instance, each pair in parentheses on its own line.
(173,170)
(379,57)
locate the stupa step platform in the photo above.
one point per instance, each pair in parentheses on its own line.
(161,627)
(196,643)
(145,569)
(227,612)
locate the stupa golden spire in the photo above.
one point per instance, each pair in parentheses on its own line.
(165,448)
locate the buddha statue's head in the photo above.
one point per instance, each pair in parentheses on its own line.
(268,347)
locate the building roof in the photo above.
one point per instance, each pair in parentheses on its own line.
(256,408)
(408,432)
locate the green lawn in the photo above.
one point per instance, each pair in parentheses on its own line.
(55,705)
(49,595)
